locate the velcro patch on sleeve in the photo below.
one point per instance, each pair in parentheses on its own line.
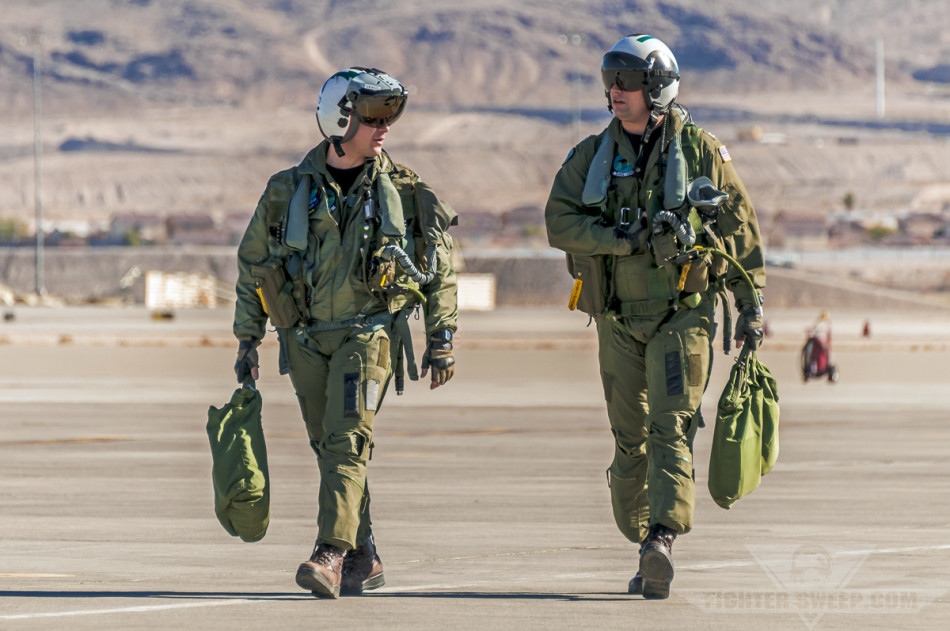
(724,153)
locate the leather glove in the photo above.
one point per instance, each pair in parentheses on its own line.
(439,357)
(247,362)
(749,325)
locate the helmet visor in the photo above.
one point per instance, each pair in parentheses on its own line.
(625,79)
(379,110)
(626,71)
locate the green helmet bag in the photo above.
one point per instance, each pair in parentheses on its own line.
(239,467)
(745,440)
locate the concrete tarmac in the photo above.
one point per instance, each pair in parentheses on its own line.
(490,502)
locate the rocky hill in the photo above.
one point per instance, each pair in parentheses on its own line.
(186,106)
(105,54)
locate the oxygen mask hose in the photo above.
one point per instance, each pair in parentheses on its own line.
(400,256)
(683,229)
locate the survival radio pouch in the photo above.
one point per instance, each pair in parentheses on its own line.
(588,293)
(276,293)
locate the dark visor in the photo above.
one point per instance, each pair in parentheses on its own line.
(626,80)
(379,110)
(630,73)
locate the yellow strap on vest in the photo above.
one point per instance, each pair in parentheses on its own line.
(575,295)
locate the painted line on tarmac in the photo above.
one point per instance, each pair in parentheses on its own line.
(446,586)
(145,608)
(66,441)
(95,612)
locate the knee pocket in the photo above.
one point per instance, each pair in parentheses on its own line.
(349,444)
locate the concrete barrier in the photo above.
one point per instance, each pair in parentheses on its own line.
(90,274)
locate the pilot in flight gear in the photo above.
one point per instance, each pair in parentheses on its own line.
(629,206)
(340,251)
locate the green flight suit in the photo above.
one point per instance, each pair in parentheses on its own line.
(340,353)
(654,339)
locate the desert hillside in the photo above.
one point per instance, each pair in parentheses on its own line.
(187,107)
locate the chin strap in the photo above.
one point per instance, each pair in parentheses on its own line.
(337,147)
(645,138)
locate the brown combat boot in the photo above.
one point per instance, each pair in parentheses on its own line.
(362,569)
(656,562)
(635,586)
(322,573)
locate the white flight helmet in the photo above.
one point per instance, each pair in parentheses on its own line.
(358,95)
(642,62)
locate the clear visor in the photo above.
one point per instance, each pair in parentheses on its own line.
(378,110)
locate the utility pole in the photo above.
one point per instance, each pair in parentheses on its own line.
(36,40)
(880,77)
(575,40)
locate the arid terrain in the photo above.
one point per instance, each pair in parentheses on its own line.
(185,108)
(189,106)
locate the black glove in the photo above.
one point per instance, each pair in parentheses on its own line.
(246,364)
(439,357)
(749,325)
(636,234)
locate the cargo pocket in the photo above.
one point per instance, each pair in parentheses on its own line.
(696,353)
(631,277)
(697,277)
(588,270)
(669,377)
(276,292)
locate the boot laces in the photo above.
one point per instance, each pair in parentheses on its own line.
(324,555)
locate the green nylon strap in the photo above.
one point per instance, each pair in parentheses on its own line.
(642,308)
(371,321)
(726,322)
(405,341)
